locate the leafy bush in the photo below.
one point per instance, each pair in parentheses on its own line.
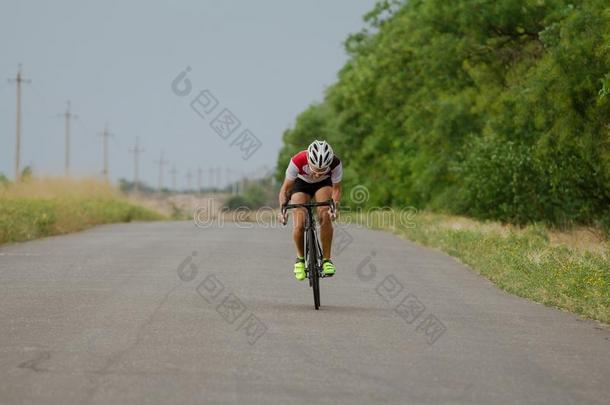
(235,202)
(255,196)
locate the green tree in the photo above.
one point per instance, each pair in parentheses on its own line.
(498,109)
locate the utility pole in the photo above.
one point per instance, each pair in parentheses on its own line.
(189,178)
(136,150)
(242,183)
(68,116)
(18,80)
(219,175)
(161,163)
(232,180)
(211,178)
(228,176)
(105,135)
(173,172)
(199,177)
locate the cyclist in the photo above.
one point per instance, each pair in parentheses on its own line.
(313,173)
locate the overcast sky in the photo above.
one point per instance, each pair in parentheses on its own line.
(264,61)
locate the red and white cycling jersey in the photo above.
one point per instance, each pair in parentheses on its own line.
(299,168)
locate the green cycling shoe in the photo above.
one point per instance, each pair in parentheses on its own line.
(328,267)
(299,268)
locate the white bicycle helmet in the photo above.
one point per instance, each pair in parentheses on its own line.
(319,155)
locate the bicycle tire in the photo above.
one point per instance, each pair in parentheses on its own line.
(313,268)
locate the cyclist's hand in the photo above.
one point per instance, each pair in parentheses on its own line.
(282,217)
(333,213)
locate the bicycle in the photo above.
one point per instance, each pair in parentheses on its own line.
(313,252)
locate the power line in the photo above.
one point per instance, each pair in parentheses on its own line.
(68,116)
(136,150)
(18,80)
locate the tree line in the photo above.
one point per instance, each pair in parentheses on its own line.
(494,109)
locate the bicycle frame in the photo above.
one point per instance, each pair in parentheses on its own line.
(310,233)
(312,249)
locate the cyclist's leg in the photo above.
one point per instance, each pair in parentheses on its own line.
(298,232)
(299,221)
(326,225)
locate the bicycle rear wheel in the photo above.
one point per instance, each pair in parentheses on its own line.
(312,267)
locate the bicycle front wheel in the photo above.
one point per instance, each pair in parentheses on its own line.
(312,268)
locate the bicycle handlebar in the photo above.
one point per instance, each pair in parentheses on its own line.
(328,203)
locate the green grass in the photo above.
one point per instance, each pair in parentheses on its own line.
(26,218)
(528,261)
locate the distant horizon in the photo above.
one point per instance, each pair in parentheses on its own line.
(263,63)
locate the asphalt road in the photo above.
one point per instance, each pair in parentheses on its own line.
(171,313)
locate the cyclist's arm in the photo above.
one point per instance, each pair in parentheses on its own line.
(336,193)
(335,176)
(285,191)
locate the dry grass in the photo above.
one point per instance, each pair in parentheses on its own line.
(579,239)
(48,188)
(180,206)
(567,269)
(582,239)
(41,207)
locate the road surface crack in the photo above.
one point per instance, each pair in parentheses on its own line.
(118,356)
(34,364)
